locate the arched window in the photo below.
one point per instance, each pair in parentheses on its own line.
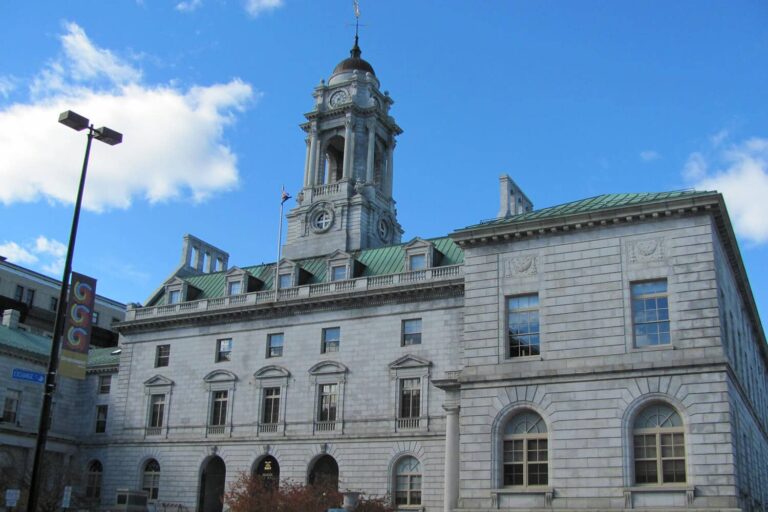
(408,482)
(93,480)
(525,451)
(150,481)
(659,446)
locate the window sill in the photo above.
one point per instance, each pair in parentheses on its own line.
(526,359)
(666,346)
(547,492)
(689,491)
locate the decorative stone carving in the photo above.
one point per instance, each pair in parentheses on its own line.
(521,266)
(650,249)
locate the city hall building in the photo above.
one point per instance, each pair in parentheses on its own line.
(604,354)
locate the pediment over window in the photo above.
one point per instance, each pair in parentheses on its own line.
(418,243)
(239,281)
(220,376)
(341,266)
(177,290)
(158,380)
(409,361)
(298,275)
(271,372)
(327,368)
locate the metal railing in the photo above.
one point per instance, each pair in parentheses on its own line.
(360,284)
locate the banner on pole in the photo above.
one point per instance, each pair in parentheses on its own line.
(77,330)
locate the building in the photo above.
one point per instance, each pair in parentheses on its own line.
(35,296)
(603,354)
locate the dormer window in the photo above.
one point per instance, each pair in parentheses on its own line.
(417,262)
(234,288)
(177,290)
(174,296)
(420,255)
(338,273)
(285,280)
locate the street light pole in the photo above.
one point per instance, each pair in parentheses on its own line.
(111,137)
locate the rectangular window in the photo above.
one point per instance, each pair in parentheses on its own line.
(411,332)
(156,410)
(523,325)
(223,350)
(95,318)
(417,262)
(650,313)
(30,298)
(275,344)
(105,383)
(285,280)
(219,409)
(11,405)
(174,296)
(271,410)
(233,288)
(19,293)
(101,418)
(339,273)
(53,304)
(331,339)
(162,355)
(410,398)
(327,400)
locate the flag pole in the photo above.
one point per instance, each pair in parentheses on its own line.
(284,196)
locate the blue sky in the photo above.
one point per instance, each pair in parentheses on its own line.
(572,99)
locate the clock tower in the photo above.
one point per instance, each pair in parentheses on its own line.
(346,200)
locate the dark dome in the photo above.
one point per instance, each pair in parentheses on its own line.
(354,62)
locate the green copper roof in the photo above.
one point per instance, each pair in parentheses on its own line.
(17,339)
(376,262)
(592,204)
(23,340)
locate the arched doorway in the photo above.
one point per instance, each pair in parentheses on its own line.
(268,469)
(325,471)
(212,485)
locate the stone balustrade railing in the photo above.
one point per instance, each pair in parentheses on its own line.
(360,284)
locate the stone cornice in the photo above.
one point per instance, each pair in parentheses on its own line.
(410,292)
(340,112)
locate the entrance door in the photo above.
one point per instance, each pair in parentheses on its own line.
(325,471)
(212,486)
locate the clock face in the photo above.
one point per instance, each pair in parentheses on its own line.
(338,98)
(383,230)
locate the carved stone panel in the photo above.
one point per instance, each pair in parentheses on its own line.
(518,266)
(649,249)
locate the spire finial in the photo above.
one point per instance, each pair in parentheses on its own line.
(355,51)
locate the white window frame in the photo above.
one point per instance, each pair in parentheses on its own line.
(658,432)
(220,356)
(525,438)
(157,385)
(403,334)
(167,356)
(395,475)
(271,376)
(220,380)
(270,336)
(410,367)
(328,372)
(324,344)
(101,384)
(155,479)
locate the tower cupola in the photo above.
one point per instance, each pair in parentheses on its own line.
(346,201)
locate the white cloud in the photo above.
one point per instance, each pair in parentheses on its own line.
(256,7)
(7,85)
(17,254)
(189,5)
(718,138)
(173,145)
(742,177)
(695,167)
(44,253)
(649,155)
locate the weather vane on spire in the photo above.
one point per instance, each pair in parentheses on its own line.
(357,17)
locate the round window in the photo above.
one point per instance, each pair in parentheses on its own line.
(321,221)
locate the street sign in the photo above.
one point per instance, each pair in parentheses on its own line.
(22,374)
(67,496)
(12,497)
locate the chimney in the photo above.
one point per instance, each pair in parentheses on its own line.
(11,318)
(513,200)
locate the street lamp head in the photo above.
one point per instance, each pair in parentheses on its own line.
(73,120)
(108,136)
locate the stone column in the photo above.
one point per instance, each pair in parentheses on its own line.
(371,148)
(390,168)
(348,137)
(312,166)
(306,162)
(451,484)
